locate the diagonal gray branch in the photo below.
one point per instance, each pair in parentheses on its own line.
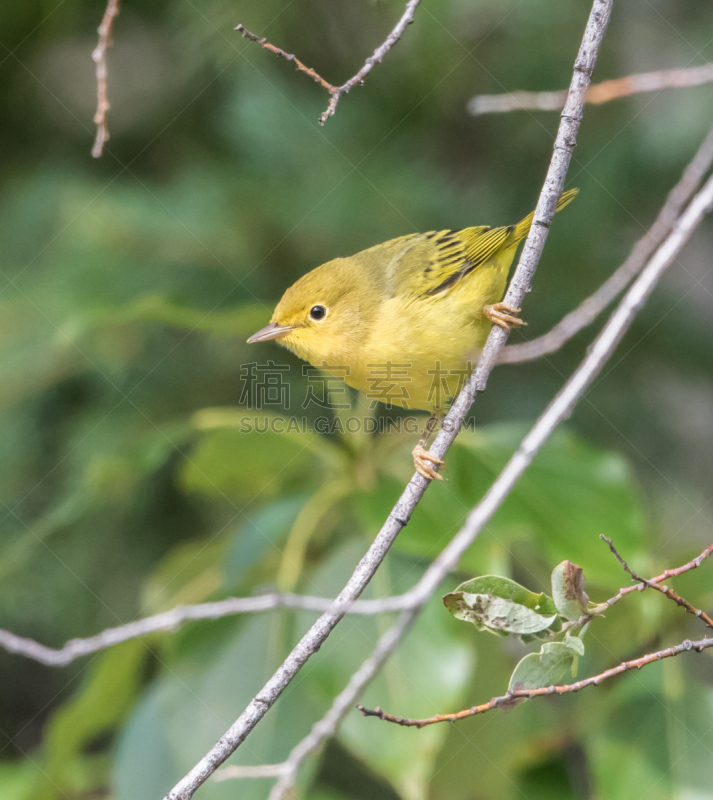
(399,516)
(343,702)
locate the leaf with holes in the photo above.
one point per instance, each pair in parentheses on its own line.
(501,606)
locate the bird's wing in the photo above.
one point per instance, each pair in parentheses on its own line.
(437,260)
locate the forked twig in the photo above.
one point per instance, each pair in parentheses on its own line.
(99,56)
(669,573)
(289,56)
(286,772)
(513,697)
(653,584)
(337,91)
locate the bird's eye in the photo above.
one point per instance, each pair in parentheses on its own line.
(318,312)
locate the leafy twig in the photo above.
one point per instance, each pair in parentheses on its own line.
(597,94)
(99,57)
(590,309)
(337,91)
(367,671)
(507,700)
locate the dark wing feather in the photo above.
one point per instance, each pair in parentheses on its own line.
(458,253)
(431,263)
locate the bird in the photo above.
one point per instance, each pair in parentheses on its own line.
(404,321)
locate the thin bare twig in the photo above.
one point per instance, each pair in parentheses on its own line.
(507,700)
(337,91)
(399,516)
(289,56)
(652,584)
(99,56)
(669,573)
(672,573)
(597,94)
(173,619)
(590,309)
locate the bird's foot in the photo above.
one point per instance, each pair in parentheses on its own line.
(503,315)
(421,459)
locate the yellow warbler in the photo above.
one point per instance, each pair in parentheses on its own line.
(404,320)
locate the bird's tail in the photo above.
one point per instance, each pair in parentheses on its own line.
(523,227)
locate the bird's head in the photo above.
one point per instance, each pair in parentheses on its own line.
(321,316)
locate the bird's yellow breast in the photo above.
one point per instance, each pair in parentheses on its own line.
(419,350)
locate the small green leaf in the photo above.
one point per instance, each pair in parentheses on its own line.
(544,668)
(568,590)
(501,606)
(574,643)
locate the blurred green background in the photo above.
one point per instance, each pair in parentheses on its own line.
(127,289)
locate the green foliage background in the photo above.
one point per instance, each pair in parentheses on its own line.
(127,288)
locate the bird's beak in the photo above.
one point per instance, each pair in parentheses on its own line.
(271,331)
